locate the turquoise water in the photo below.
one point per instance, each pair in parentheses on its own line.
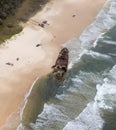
(86,99)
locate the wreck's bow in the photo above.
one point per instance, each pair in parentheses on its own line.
(60,67)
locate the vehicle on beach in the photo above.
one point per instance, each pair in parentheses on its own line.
(60,67)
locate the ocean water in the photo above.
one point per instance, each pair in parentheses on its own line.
(86,100)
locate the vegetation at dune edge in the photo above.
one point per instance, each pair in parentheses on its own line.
(14,14)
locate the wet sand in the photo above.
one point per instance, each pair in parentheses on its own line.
(22,61)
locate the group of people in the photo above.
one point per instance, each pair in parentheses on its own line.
(42,24)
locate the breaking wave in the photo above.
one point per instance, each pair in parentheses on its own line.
(86,100)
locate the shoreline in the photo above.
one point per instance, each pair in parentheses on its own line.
(36,61)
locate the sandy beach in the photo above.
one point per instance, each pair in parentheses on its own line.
(31,53)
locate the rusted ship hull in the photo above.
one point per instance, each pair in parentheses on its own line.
(60,67)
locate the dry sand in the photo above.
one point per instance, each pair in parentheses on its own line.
(66,19)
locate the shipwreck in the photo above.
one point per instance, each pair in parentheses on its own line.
(61,64)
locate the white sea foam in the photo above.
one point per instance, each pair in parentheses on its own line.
(73,46)
(98,55)
(109,42)
(51,114)
(106,96)
(105,99)
(104,21)
(26,97)
(87,120)
(105,103)
(20,126)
